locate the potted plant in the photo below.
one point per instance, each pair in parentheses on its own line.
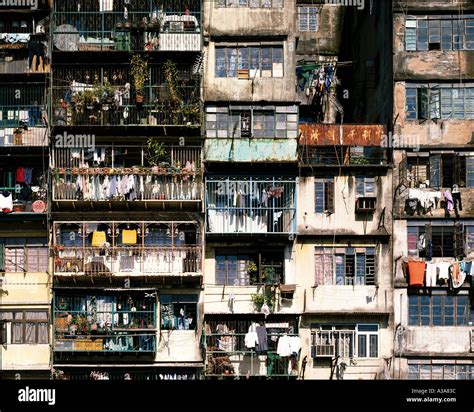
(269,276)
(155,153)
(258,299)
(139,72)
(252,271)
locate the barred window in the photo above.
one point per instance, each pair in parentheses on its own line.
(446,371)
(345,265)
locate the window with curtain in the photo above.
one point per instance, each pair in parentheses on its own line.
(25,255)
(27,327)
(345,266)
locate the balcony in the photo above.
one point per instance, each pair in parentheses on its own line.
(105,323)
(109,175)
(111,249)
(227,355)
(250,205)
(342,145)
(23,116)
(98,95)
(124,27)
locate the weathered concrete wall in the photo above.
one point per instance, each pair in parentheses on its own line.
(24,357)
(25,288)
(178,346)
(344,220)
(407,6)
(245,21)
(428,65)
(273,89)
(327,39)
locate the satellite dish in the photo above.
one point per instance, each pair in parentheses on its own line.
(66,38)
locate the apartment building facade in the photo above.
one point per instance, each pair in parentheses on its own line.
(25,312)
(433,130)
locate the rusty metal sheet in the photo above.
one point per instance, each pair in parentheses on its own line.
(330,134)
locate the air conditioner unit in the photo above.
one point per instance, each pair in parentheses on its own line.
(323,351)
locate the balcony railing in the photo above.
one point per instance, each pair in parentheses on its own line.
(226,346)
(250,205)
(101,96)
(98,261)
(23,115)
(342,156)
(127,184)
(104,324)
(117,26)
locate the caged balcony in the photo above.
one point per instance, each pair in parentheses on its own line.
(342,145)
(104,323)
(109,249)
(124,26)
(250,205)
(115,174)
(98,95)
(23,118)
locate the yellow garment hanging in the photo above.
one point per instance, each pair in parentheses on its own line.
(129,237)
(98,238)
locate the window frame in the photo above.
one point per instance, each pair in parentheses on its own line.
(344,330)
(425,317)
(310,10)
(414,370)
(23,323)
(366,182)
(230,56)
(337,255)
(328,195)
(188,300)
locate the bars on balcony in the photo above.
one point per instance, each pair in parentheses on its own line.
(105,323)
(101,96)
(342,155)
(128,248)
(250,205)
(127,26)
(23,115)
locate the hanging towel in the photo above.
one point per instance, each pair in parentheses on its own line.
(443,270)
(449,198)
(98,238)
(129,237)
(416,273)
(457,276)
(431,274)
(251,340)
(20,175)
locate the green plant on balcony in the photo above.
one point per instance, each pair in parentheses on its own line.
(85,99)
(172,78)
(252,270)
(139,73)
(269,276)
(156,153)
(258,299)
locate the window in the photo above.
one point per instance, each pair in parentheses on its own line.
(365,186)
(245,62)
(450,32)
(252,121)
(308,18)
(439,101)
(345,265)
(324,195)
(25,255)
(440,241)
(266,4)
(178,312)
(347,341)
(446,371)
(26,327)
(249,269)
(439,310)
